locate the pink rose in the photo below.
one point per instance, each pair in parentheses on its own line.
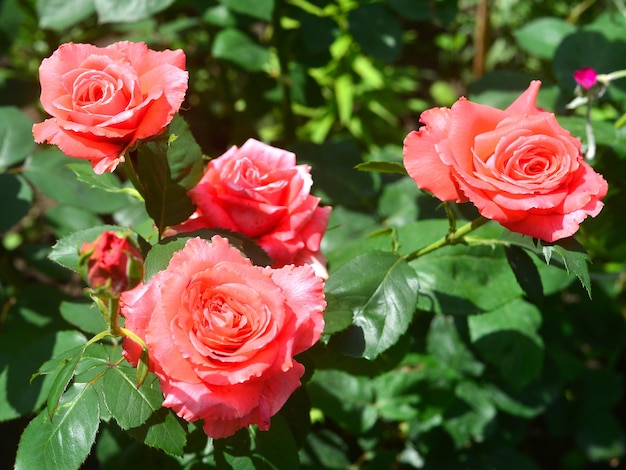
(519,167)
(112,262)
(104,99)
(222,333)
(258,190)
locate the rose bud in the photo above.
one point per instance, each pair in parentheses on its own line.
(111,262)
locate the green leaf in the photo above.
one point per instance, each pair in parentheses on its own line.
(84,315)
(344,94)
(47,170)
(471,422)
(16,138)
(62,14)
(399,202)
(261,9)
(345,398)
(62,379)
(380,289)
(542,36)
(237,47)
(445,343)
(167,169)
(508,338)
(107,181)
(377,31)
(526,272)
(382,167)
(276,456)
(325,449)
(65,441)
(163,431)
(130,406)
(396,399)
(20,393)
(16,196)
(126,11)
(461,280)
(526,403)
(64,220)
(574,257)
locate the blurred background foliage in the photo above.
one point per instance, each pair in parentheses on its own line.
(473,384)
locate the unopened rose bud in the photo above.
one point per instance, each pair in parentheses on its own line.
(586,77)
(112,262)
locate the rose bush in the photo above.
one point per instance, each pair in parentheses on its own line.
(111,261)
(518,166)
(258,190)
(102,100)
(222,333)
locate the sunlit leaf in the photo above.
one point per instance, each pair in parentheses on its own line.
(381,291)
(65,441)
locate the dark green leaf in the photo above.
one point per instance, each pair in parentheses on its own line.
(20,393)
(64,220)
(472,422)
(377,31)
(382,167)
(219,15)
(261,9)
(526,272)
(65,441)
(444,343)
(236,47)
(167,169)
(381,291)
(16,196)
(325,449)
(130,407)
(16,138)
(508,338)
(163,431)
(542,36)
(276,456)
(346,399)
(62,14)
(396,394)
(124,11)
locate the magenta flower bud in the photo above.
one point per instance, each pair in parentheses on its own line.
(586,77)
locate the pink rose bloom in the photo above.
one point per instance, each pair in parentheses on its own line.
(111,261)
(259,191)
(222,333)
(519,167)
(586,77)
(103,99)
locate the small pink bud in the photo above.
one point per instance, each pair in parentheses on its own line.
(586,77)
(111,262)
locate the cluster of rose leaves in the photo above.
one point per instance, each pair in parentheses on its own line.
(221,332)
